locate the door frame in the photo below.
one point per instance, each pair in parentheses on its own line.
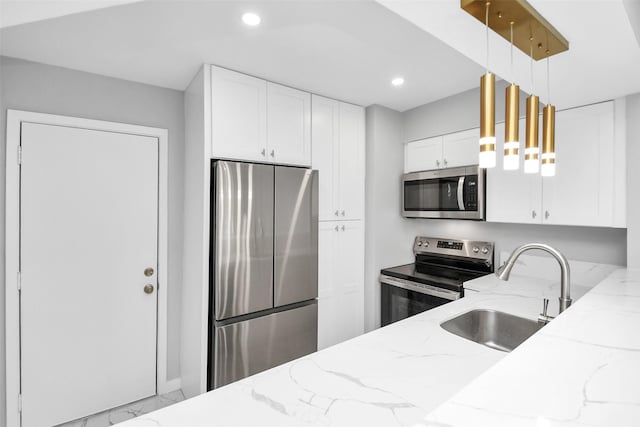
(12,245)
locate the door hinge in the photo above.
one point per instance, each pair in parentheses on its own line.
(20,403)
(19,281)
(19,154)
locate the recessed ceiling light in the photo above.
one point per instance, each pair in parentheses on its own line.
(251,19)
(398,81)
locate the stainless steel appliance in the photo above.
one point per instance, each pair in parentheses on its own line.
(264,270)
(444,193)
(435,278)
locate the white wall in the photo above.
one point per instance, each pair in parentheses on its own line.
(43,88)
(633,177)
(390,237)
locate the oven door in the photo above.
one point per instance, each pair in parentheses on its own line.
(444,193)
(402,298)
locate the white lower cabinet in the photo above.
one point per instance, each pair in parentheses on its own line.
(589,186)
(340,281)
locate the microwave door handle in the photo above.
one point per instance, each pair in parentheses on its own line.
(461,193)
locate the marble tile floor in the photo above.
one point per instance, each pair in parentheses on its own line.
(127,412)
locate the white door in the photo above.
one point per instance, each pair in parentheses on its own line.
(581,192)
(288,125)
(351,174)
(512,195)
(89,224)
(327,270)
(460,148)
(239,116)
(325,134)
(422,155)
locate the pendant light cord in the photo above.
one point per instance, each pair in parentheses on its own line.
(511,53)
(531,64)
(486,21)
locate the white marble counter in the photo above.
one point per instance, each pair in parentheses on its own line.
(400,374)
(582,369)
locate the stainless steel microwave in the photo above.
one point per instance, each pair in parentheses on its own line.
(444,193)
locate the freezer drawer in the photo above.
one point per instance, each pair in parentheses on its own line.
(248,347)
(243,235)
(296,235)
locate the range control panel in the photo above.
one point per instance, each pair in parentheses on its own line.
(462,248)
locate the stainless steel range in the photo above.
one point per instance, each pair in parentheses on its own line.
(435,278)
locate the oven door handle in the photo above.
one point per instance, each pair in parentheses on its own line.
(420,288)
(461,193)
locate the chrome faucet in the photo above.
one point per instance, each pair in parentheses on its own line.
(565,297)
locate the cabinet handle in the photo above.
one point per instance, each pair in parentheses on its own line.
(445,162)
(546,215)
(337,213)
(264,152)
(342,213)
(343,228)
(438,163)
(337,228)
(272,153)
(533,214)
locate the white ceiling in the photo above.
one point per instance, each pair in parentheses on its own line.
(16,12)
(603,61)
(348,50)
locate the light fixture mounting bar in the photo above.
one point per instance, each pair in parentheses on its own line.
(547,41)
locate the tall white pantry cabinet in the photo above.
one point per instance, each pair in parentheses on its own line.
(338,144)
(230,115)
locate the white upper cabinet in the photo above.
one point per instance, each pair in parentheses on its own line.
(447,151)
(589,186)
(255,120)
(460,148)
(288,125)
(513,196)
(583,191)
(338,134)
(425,154)
(239,116)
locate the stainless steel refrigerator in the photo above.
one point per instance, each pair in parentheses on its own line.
(264,268)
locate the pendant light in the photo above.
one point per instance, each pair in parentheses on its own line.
(487,156)
(512,116)
(548,167)
(532,150)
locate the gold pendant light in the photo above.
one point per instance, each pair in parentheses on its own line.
(532,149)
(548,167)
(512,117)
(487,156)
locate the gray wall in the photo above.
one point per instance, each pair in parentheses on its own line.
(46,89)
(633,177)
(389,237)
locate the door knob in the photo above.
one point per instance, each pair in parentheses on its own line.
(546,214)
(148,289)
(337,228)
(337,213)
(533,214)
(438,163)
(148,271)
(264,152)
(272,152)
(342,213)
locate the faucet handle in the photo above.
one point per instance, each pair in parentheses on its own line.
(544,318)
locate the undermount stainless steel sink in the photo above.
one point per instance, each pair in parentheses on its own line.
(495,329)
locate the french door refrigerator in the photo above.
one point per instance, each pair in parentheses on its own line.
(263,268)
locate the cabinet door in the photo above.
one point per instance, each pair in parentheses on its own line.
(581,192)
(239,116)
(327,244)
(513,196)
(324,131)
(288,125)
(460,148)
(351,163)
(341,282)
(349,283)
(425,154)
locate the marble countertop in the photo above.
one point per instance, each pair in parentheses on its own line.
(414,373)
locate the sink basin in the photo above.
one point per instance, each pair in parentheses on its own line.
(495,329)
